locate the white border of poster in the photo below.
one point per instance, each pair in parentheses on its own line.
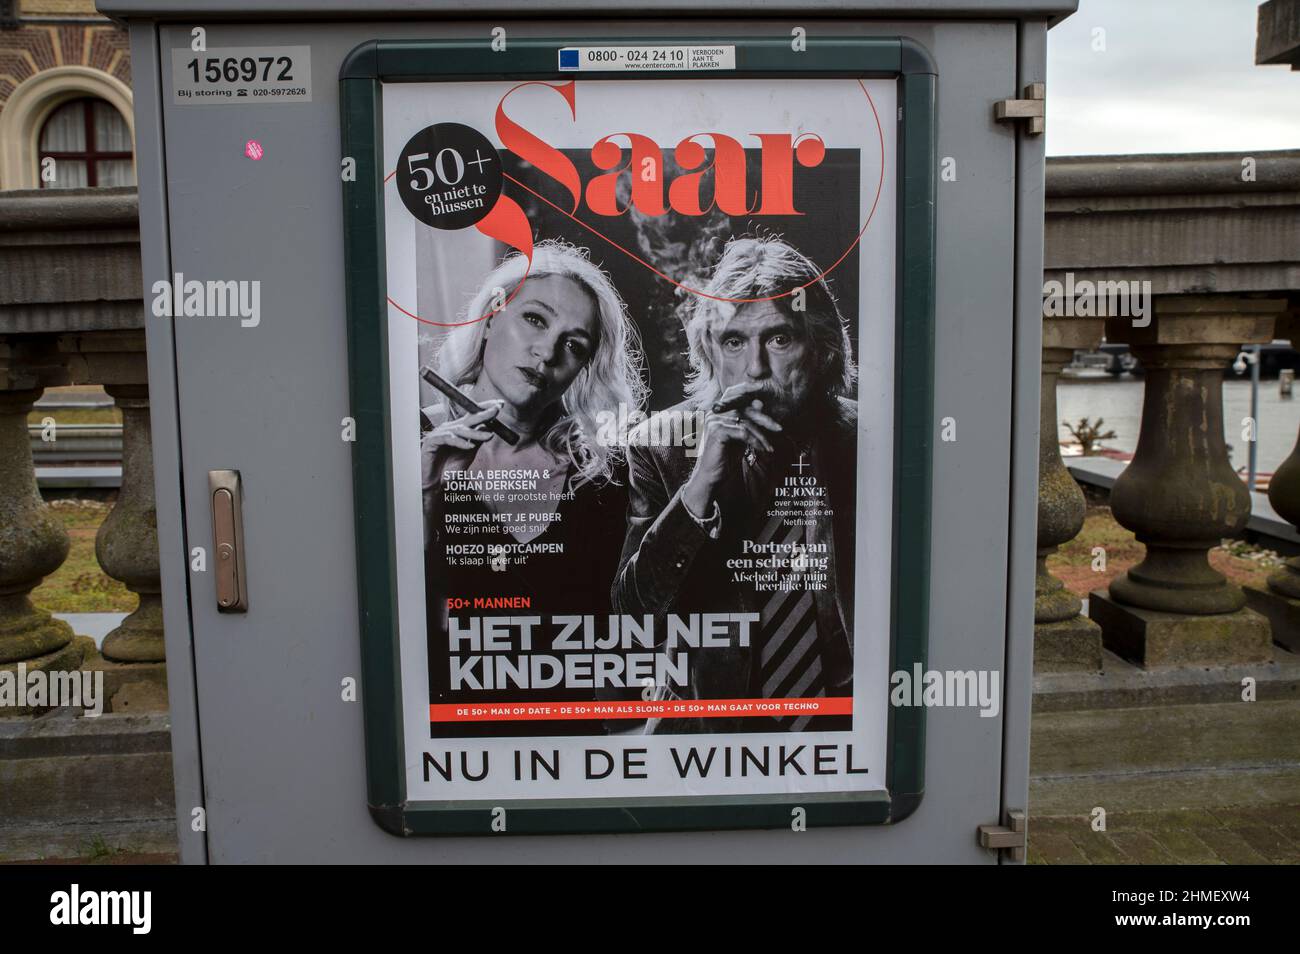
(840,112)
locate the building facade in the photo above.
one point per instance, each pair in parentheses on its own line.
(65,97)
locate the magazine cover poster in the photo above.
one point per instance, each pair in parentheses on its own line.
(641,359)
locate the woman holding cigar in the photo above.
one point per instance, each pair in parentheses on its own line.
(546,501)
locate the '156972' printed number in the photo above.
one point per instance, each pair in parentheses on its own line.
(233,69)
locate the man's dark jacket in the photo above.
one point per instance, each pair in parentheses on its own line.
(671,565)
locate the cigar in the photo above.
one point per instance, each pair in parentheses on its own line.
(458,398)
(735,403)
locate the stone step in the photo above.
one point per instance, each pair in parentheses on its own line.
(1246,816)
(1122,684)
(128,842)
(66,732)
(1171,739)
(91,788)
(1152,795)
(77,787)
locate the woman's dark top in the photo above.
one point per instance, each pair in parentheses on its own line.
(587,538)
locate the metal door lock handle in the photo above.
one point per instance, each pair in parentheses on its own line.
(228,536)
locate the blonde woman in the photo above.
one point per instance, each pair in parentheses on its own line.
(549,511)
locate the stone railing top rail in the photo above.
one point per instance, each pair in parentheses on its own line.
(1173,174)
(1168,173)
(52,210)
(70,261)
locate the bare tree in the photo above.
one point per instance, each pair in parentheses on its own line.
(1088,434)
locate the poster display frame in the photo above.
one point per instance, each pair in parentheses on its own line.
(362,77)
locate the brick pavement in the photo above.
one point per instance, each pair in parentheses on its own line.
(1235,835)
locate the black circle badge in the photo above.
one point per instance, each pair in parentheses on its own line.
(449,176)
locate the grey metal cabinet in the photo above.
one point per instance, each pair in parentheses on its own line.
(264,743)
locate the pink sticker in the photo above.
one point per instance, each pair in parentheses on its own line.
(253,149)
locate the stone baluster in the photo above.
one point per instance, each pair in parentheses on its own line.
(33,543)
(1180,495)
(1280,599)
(127,542)
(1064,640)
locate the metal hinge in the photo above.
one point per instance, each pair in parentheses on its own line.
(1009,837)
(1033,108)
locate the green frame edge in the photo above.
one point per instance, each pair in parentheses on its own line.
(360,105)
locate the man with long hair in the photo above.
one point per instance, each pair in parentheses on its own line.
(760,519)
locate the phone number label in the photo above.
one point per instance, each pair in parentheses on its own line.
(629,58)
(241,74)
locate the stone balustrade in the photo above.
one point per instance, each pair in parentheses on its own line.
(71,312)
(1064,639)
(33,544)
(1204,252)
(1180,494)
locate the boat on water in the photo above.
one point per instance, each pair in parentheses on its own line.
(1262,478)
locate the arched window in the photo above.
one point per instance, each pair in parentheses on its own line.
(90,144)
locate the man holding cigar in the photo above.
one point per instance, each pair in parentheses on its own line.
(770,491)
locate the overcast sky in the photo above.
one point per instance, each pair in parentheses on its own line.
(1173,76)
